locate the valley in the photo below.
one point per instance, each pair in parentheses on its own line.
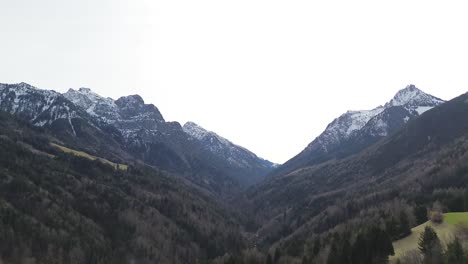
(98,180)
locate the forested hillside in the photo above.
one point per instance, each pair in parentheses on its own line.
(61,208)
(375,195)
(73,192)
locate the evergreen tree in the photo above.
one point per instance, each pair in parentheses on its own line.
(429,245)
(421,214)
(455,253)
(372,246)
(465,200)
(427,239)
(359,251)
(404,224)
(269,260)
(335,252)
(382,246)
(277,255)
(317,247)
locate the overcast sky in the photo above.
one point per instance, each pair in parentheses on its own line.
(268,75)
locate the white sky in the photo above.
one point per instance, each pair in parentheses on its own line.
(268,75)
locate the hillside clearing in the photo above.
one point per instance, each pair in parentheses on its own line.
(456,218)
(446,232)
(88,156)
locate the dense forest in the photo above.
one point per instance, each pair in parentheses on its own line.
(390,187)
(58,207)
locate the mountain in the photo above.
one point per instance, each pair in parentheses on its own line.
(57,207)
(355,130)
(68,122)
(390,184)
(129,129)
(40,107)
(88,179)
(210,161)
(255,168)
(143,125)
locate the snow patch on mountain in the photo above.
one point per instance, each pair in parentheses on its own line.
(129,114)
(201,134)
(40,107)
(94,104)
(415,101)
(422,109)
(234,154)
(412,96)
(359,119)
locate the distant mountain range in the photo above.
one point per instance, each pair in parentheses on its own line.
(138,130)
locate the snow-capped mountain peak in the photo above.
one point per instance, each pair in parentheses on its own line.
(40,107)
(195,130)
(412,96)
(94,104)
(353,131)
(200,133)
(233,153)
(139,131)
(410,101)
(351,121)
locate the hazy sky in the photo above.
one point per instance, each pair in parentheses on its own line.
(268,75)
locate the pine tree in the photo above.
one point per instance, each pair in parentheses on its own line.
(455,253)
(404,224)
(429,245)
(317,247)
(420,212)
(277,255)
(269,260)
(427,240)
(335,252)
(372,246)
(465,200)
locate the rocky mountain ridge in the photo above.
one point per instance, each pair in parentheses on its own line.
(355,130)
(140,130)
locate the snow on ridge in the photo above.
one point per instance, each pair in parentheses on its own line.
(200,133)
(349,123)
(195,130)
(413,96)
(422,109)
(94,104)
(39,106)
(360,119)
(235,154)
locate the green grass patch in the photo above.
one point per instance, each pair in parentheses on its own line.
(88,156)
(446,232)
(456,218)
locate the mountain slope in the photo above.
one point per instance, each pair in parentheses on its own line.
(356,130)
(211,161)
(40,107)
(402,174)
(129,129)
(60,208)
(254,168)
(69,123)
